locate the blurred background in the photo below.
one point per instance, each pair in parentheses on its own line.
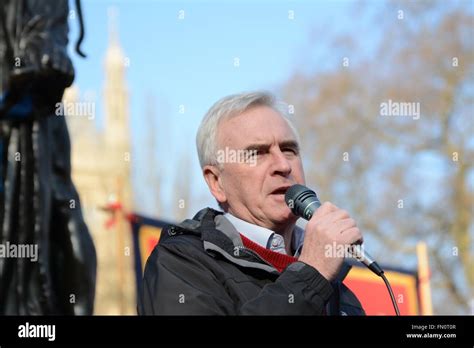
(153,68)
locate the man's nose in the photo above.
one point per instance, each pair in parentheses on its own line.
(281,164)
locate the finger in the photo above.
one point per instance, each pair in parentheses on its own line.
(352,236)
(337,215)
(328,207)
(325,209)
(345,224)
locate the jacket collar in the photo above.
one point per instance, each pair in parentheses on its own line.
(219,236)
(266,237)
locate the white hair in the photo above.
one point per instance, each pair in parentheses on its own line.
(227,107)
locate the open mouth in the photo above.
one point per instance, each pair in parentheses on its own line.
(280,191)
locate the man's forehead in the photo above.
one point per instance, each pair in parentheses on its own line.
(255,126)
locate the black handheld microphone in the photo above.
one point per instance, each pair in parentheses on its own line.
(303,202)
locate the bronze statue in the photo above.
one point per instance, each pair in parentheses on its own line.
(39,205)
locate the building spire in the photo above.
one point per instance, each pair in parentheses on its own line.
(115,89)
(113,22)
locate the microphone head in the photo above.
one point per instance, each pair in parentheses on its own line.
(298,198)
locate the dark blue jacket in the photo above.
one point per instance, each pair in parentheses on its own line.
(201,267)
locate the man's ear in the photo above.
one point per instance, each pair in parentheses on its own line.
(214,182)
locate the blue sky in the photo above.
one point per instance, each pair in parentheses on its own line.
(190,62)
(184,54)
(188,54)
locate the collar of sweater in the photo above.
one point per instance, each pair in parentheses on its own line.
(277,260)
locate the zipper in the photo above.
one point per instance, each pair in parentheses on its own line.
(254,254)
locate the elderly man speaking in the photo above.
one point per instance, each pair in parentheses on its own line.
(252,258)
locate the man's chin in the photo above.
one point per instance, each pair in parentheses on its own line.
(283,216)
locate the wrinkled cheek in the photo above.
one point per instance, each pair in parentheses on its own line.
(279,206)
(286,211)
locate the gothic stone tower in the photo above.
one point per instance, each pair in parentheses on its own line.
(101,171)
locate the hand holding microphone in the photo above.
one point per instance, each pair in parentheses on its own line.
(329,231)
(329,226)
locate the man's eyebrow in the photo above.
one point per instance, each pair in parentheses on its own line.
(290,143)
(263,146)
(257,146)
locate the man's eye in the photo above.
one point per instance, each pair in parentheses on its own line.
(252,154)
(293,151)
